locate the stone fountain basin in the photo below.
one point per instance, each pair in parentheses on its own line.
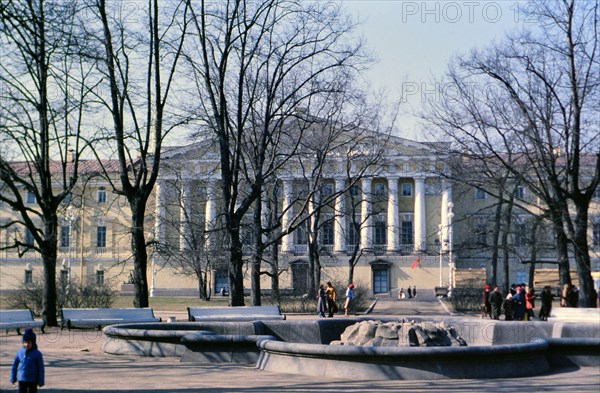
(496,349)
(413,363)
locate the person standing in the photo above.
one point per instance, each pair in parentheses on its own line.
(321,301)
(485,302)
(496,303)
(519,303)
(529,304)
(546,307)
(331,299)
(509,305)
(28,366)
(415,291)
(409,292)
(349,297)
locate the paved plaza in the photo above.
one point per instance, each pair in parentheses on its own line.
(75,363)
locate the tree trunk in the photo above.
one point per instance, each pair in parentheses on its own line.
(140,255)
(235,271)
(587,294)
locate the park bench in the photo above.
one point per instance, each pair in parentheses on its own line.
(569,314)
(248,313)
(98,317)
(19,319)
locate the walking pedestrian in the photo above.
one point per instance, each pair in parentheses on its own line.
(496,303)
(349,298)
(331,299)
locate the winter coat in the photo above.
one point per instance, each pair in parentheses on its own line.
(28,367)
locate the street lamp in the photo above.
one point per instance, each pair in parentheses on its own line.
(441,237)
(450,246)
(71,218)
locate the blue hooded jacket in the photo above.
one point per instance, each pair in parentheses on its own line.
(29,364)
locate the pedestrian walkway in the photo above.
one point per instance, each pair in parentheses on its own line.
(75,363)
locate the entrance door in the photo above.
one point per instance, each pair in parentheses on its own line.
(300,278)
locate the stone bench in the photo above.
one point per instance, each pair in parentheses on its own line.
(18,319)
(569,314)
(249,313)
(98,317)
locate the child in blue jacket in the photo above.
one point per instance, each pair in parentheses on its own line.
(28,367)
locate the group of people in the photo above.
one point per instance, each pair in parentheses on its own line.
(518,305)
(327,300)
(411,292)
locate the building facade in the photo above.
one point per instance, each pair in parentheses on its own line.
(410,224)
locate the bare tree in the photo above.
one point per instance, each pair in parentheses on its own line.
(44,84)
(139,52)
(255,64)
(530,104)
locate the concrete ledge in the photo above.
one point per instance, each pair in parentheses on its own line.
(375,363)
(148,339)
(219,348)
(574,352)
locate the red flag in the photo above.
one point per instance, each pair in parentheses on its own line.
(415,263)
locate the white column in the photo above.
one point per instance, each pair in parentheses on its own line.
(339,237)
(210,211)
(366,229)
(392,215)
(184,215)
(420,225)
(287,241)
(159,223)
(446,198)
(264,213)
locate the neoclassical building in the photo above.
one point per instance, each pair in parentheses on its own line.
(410,225)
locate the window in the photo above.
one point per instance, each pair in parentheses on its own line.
(520,234)
(406,189)
(353,234)
(31,197)
(380,230)
(480,230)
(64,236)
(520,192)
(301,235)
(380,281)
(354,190)
(596,235)
(101,236)
(28,279)
(101,198)
(406,233)
(380,189)
(327,189)
(480,194)
(99,277)
(28,237)
(327,233)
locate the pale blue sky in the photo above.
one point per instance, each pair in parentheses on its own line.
(414,40)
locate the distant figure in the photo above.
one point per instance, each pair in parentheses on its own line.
(28,366)
(496,303)
(415,291)
(349,297)
(401,294)
(331,299)
(485,302)
(546,307)
(519,302)
(409,292)
(509,305)
(321,301)
(529,304)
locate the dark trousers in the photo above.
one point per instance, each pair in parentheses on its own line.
(27,387)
